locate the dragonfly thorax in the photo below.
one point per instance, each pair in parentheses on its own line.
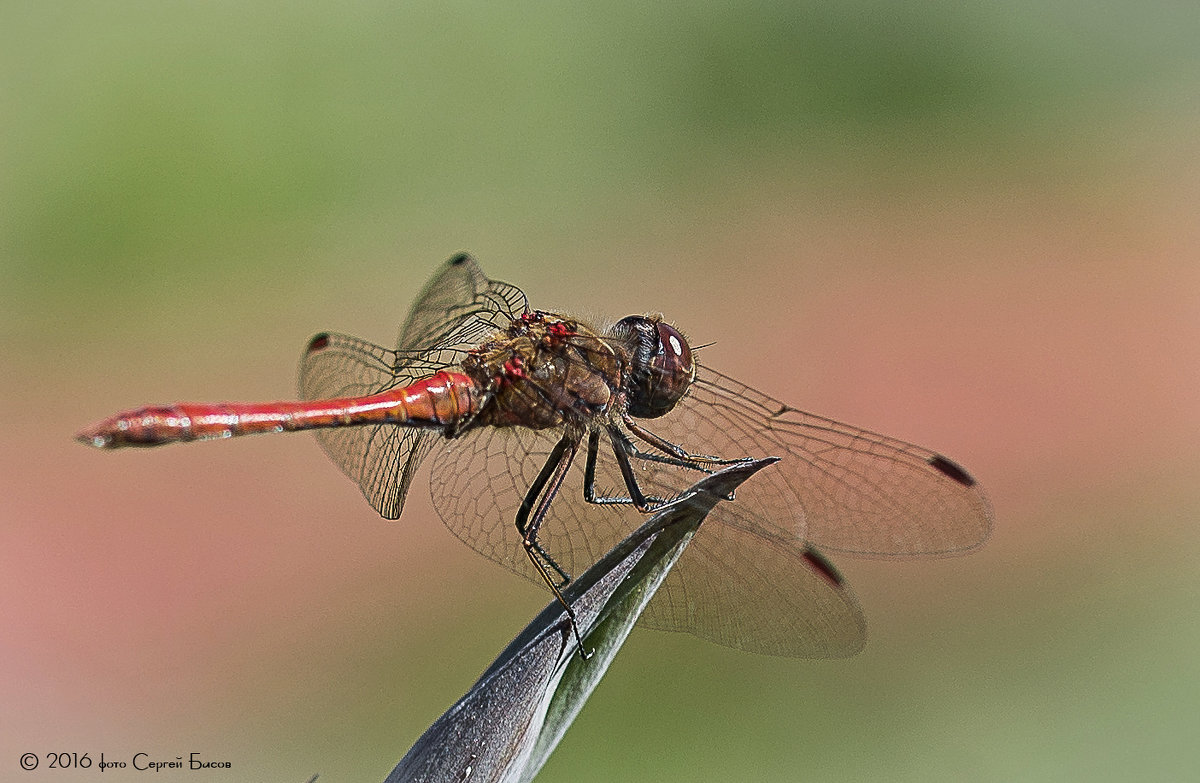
(544,370)
(660,365)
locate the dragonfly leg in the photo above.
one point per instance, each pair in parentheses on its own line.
(682,458)
(622,448)
(547,484)
(675,455)
(621,441)
(552,473)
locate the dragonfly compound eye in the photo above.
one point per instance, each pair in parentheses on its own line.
(661,365)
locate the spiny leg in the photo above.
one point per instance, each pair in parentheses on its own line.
(622,448)
(550,479)
(622,442)
(528,528)
(676,455)
(683,457)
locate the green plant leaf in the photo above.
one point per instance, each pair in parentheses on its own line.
(509,722)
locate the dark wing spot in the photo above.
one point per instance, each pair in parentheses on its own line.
(318,343)
(460,259)
(952,470)
(823,566)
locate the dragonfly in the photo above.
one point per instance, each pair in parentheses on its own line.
(506,401)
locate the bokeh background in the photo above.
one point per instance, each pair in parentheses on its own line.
(973,226)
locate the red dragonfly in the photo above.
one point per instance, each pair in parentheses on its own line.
(505,397)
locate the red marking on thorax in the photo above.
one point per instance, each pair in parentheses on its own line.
(514,368)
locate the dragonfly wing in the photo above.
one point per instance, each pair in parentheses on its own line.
(380,458)
(740,588)
(735,585)
(460,307)
(838,487)
(480,480)
(738,584)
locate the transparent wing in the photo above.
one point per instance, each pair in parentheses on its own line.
(478,482)
(380,458)
(457,308)
(734,585)
(837,487)
(737,587)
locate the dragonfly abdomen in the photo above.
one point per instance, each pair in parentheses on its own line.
(442,400)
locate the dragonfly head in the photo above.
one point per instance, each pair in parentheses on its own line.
(660,364)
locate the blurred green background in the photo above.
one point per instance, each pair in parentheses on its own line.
(970,226)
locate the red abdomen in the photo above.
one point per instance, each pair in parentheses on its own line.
(440,401)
